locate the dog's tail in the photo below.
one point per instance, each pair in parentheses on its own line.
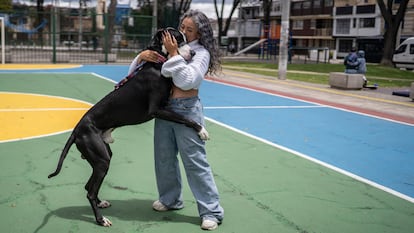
(65,151)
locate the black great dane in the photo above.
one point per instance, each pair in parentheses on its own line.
(139,98)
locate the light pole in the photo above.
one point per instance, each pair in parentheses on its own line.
(154,17)
(284,40)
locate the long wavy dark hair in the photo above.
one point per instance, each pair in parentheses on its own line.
(206,38)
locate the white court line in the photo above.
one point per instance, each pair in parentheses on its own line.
(41,109)
(263,107)
(310,158)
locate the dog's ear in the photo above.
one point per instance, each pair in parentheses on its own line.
(179,36)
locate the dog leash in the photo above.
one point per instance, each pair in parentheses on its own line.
(131,75)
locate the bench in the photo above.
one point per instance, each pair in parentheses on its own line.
(346,81)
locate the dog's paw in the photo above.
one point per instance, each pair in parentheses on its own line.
(203,134)
(104,204)
(105,222)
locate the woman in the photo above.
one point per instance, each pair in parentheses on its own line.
(171,138)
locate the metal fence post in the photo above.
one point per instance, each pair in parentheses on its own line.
(106,39)
(53,34)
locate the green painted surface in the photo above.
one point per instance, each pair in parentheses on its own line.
(263,189)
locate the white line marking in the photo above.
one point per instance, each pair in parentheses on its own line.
(327,165)
(263,107)
(41,109)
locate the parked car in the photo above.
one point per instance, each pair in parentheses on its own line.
(404,55)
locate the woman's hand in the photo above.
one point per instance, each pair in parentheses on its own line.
(151,56)
(170,43)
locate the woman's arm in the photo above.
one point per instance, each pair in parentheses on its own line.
(145,55)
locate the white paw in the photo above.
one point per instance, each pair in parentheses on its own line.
(203,134)
(104,204)
(107,137)
(106,222)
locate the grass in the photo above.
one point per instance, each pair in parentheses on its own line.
(319,73)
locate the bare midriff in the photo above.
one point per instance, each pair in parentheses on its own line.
(178,93)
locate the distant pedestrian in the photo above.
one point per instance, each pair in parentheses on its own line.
(350,62)
(362,65)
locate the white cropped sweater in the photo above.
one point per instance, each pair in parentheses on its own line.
(188,75)
(185,75)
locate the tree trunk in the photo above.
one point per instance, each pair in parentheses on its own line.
(392,22)
(110,26)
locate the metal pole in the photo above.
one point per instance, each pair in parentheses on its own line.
(284,40)
(3,43)
(154,17)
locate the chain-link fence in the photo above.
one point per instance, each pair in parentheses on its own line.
(73,36)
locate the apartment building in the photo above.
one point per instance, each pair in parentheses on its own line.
(311,23)
(358,23)
(337,25)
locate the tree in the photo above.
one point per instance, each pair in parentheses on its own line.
(267,6)
(5,5)
(170,16)
(167,16)
(110,25)
(39,18)
(222,29)
(392,25)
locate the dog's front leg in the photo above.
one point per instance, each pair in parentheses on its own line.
(175,117)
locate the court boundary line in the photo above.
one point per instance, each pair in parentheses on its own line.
(309,158)
(46,95)
(41,109)
(264,107)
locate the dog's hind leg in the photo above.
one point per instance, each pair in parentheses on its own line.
(98,155)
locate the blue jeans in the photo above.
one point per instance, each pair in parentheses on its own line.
(172,138)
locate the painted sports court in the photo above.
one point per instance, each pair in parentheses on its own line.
(281,164)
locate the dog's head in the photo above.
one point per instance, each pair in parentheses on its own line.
(183,48)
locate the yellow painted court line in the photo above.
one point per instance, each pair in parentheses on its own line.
(42,109)
(25,115)
(37,66)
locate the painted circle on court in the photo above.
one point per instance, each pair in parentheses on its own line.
(24,116)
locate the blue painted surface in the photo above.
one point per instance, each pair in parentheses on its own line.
(376,149)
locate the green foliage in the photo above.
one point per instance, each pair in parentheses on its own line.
(5,5)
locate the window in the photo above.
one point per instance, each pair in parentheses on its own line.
(400,49)
(367,22)
(345,46)
(297,24)
(366,9)
(317,4)
(306,5)
(313,23)
(346,10)
(411,49)
(328,3)
(343,26)
(297,5)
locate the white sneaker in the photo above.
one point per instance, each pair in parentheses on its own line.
(158,206)
(209,225)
